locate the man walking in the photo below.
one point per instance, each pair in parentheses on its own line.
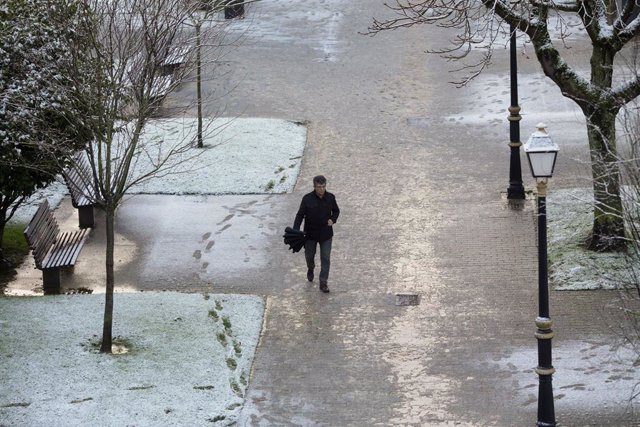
(319,211)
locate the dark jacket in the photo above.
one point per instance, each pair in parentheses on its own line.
(316,212)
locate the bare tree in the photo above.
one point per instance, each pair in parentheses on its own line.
(209,32)
(133,42)
(610,29)
(203,12)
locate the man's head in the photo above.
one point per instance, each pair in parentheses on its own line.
(320,185)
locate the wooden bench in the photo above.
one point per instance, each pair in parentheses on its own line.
(161,84)
(79,179)
(160,89)
(176,57)
(51,249)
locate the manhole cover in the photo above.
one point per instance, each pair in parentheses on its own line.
(419,121)
(407,299)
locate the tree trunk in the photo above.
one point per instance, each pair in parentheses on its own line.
(608,217)
(199,84)
(608,220)
(107,330)
(600,109)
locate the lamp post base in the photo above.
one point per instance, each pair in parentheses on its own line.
(545,370)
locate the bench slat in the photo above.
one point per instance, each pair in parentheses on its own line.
(46,232)
(66,250)
(79,182)
(52,249)
(72,242)
(55,256)
(78,239)
(31,231)
(176,56)
(41,233)
(71,178)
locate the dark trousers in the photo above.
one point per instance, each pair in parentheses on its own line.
(325,257)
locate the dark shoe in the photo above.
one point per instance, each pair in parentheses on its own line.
(324,288)
(310,275)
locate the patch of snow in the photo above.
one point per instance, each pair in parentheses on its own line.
(596,372)
(571,265)
(54,193)
(281,22)
(175,373)
(241,156)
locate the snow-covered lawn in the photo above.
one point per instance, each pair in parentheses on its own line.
(571,265)
(178,370)
(241,156)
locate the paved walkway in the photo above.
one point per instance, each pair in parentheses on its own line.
(418,168)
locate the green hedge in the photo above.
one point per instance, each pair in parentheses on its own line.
(15,249)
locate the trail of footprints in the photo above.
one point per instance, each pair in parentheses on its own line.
(208,241)
(232,346)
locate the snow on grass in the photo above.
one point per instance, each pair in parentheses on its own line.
(189,357)
(571,265)
(55,192)
(241,156)
(177,370)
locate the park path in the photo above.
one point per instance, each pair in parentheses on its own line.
(418,168)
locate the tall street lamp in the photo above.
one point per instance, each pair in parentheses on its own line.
(542,152)
(516,189)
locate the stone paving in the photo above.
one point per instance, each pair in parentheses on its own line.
(419,183)
(419,169)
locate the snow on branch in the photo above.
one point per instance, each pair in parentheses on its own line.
(626,13)
(560,5)
(629,31)
(628,92)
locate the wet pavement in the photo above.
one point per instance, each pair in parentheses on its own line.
(419,169)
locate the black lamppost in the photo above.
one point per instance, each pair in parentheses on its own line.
(541,153)
(516,189)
